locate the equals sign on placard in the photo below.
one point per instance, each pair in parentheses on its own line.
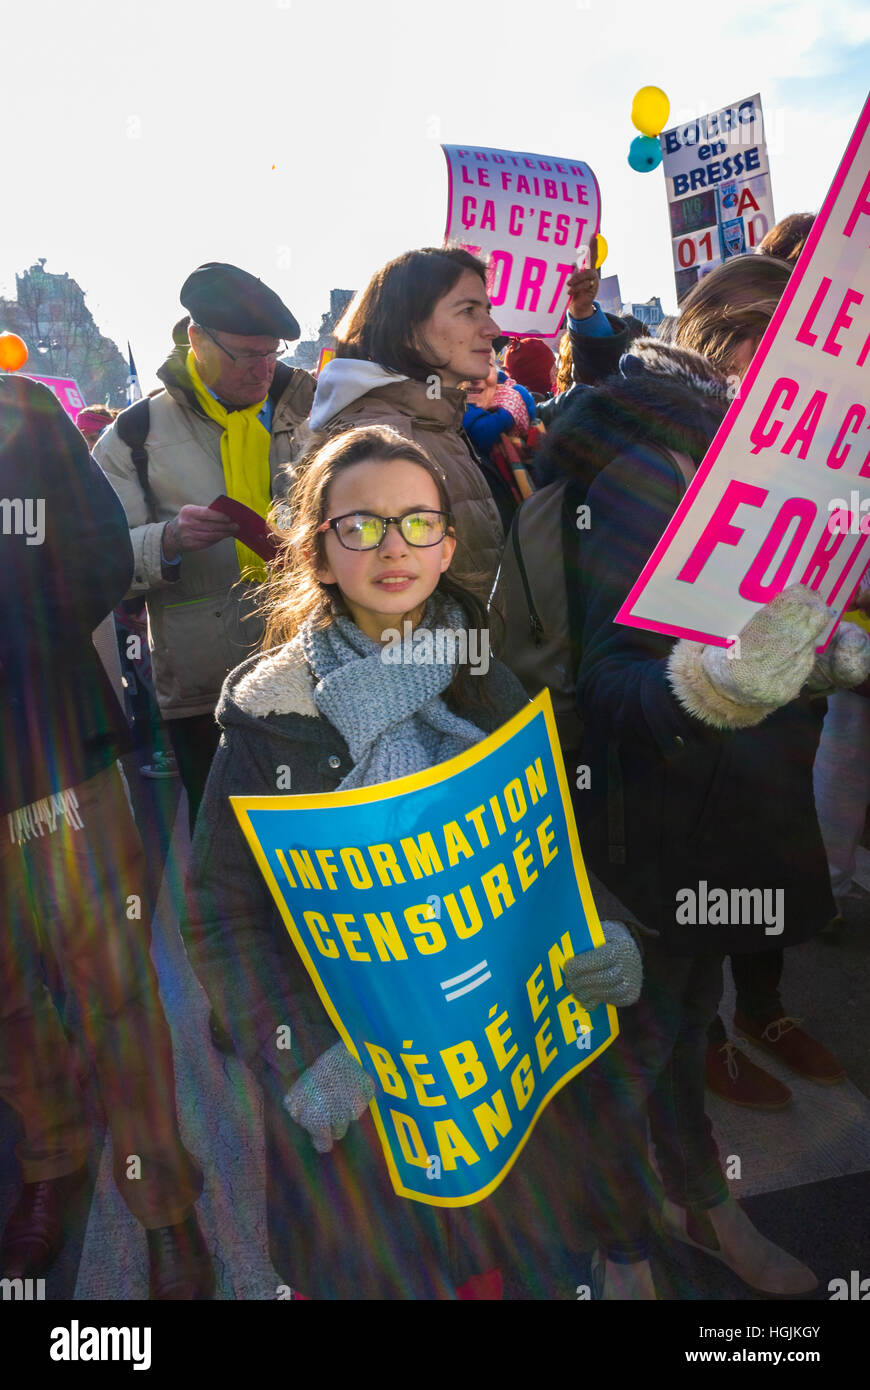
(465,981)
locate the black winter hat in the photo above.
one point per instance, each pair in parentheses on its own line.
(229,300)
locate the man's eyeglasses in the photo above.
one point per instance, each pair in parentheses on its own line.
(366,530)
(247,359)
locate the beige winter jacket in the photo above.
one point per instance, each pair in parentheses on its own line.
(200,626)
(352,393)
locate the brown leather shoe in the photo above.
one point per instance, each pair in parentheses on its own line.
(783,1038)
(34,1235)
(179,1263)
(731,1076)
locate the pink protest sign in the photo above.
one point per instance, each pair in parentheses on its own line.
(783,494)
(533,215)
(66,391)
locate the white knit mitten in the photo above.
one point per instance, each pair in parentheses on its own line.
(776,653)
(610,974)
(844,663)
(329,1096)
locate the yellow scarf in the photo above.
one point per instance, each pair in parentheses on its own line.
(245,458)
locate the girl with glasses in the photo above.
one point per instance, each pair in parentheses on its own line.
(370,546)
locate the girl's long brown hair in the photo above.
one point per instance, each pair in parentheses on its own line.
(292,595)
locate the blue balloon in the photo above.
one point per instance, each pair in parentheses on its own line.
(644,154)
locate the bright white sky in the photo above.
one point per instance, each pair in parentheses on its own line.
(139,135)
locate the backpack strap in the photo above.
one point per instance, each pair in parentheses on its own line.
(132,426)
(536,627)
(682,462)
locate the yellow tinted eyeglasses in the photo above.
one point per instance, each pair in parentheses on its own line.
(366,530)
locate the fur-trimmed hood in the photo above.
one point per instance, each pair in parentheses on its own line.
(275,688)
(663,395)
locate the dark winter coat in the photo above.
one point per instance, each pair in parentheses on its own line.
(673,802)
(60,721)
(336,1228)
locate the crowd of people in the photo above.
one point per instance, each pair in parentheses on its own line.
(407,481)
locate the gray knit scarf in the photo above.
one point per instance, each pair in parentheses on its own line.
(391,717)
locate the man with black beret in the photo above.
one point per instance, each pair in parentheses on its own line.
(227,423)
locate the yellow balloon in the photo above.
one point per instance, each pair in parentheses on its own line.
(601,249)
(650,110)
(13,352)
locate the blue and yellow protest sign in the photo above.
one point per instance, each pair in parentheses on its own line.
(434,915)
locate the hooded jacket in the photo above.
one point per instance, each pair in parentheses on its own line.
(351,393)
(336,1229)
(676,806)
(201,622)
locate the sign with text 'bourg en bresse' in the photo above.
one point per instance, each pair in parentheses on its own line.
(718,185)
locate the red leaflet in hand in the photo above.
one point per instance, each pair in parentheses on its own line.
(253,531)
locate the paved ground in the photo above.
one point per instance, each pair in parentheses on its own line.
(805,1171)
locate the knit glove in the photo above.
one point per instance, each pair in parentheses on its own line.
(329,1096)
(845,662)
(777,652)
(610,974)
(510,400)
